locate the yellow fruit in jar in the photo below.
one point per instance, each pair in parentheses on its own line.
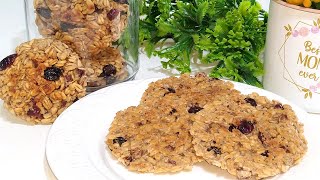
(307,3)
(295,2)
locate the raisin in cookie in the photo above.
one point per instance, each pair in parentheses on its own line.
(151,140)
(42,79)
(249,136)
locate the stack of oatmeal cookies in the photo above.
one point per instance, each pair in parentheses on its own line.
(89,27)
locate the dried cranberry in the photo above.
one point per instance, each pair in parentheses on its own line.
(108,70)
(129,158)
(231,127)
(261,137)
(81,72)
(97,9)
(251,101)
(194,109)
(52,73)
(215,149)
(121,1)
(139,124)
(170,90)
(65,26)
(266,153)
(69,78)
(119,140)
(171,148)
(283,117)
(279,106)
(172,162)
(7,61)
(245,127)
(173,111)
(35,112)
(112,14)
(44,12)
(285,148)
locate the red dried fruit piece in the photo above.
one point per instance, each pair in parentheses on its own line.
(266,153)
(7,62)
(66,26)
(119,140)
(172,162)
(215,149)
(44,12)
(194,109)
(279,106)
(261,137)
(108,70)
(170,90)
(245,127)
(112,14)
(35,112)
(81,72)
(173,111)
(251,101)
(52,73)
(170,148)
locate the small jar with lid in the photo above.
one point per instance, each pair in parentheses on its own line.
(104,33)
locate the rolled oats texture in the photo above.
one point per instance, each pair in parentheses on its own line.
(25,87)
(249,140)
(155,135)
(144,140)
(82,25)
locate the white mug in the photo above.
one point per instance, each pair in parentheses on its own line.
(292,57)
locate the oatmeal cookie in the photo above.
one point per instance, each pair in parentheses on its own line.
(86,26)
(249,136)
(196,91)
(151,140)
(41,80)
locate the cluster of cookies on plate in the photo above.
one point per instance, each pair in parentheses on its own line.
(186,120)
(47,75)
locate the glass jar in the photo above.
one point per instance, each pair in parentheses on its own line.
(104,33)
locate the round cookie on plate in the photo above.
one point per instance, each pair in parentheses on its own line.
(151,140)
(196,91)
(249,136)
(41,80)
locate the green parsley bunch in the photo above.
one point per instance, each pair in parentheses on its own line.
(228,33)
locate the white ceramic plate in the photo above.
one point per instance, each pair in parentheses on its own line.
(76,149)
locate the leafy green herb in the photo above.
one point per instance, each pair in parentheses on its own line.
(230,33)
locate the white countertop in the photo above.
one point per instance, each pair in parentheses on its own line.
(22,147)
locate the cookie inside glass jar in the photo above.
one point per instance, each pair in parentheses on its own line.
(93,29)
